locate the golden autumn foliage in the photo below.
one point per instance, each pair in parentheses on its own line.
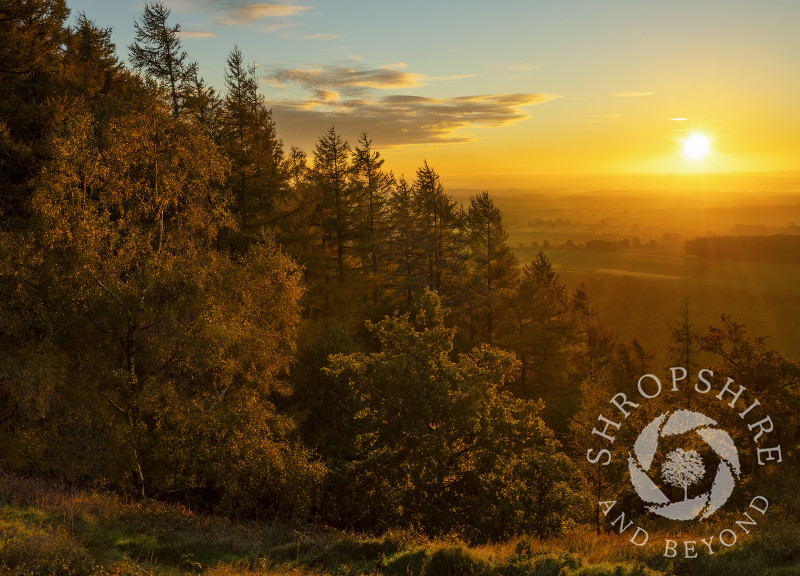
(175,351)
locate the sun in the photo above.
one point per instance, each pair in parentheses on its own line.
(696,146)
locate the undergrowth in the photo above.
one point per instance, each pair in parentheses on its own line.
(50,528)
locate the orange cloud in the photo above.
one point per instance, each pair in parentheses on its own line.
(196,34)
(322,37)
(344,77)
(248,13)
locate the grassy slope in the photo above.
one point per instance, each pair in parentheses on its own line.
(51,529)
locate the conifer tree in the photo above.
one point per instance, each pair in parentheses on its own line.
(544,329)
(683,347)
(406,259)
(90,60)
(202,103)
(157,51)
(32,35)
(493,264)
(440,229)
(250,136)
(374,186)
(331,174)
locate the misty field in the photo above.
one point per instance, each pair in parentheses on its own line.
(638,273)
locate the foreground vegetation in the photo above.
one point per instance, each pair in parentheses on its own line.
(50,528)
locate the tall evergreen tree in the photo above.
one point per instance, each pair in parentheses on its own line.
(406,259)
(250,136)
(157,51)
(683,347)
(299,227)
(239,101)
(331,174)
(270,179)
(91,64)
(374,186)
(544,329)
(493,264)
(32,35)
(439,220)
(202,103)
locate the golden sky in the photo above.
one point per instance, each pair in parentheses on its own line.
(512,90)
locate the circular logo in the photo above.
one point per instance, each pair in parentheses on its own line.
(683,468)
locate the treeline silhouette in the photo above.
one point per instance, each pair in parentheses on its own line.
(191,312)
(777,248)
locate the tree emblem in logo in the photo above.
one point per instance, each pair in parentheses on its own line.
(684,468)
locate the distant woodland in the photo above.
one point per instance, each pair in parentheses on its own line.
(191,312)
(778,248)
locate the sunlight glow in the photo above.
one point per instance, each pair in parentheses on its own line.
(696,146)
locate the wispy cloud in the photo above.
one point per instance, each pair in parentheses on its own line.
(355,97)
(679,119)
(324,96)
(238,15)
(523,67)
(196,34)
(344,77)
(399,120)
(631,94)
(322,37)
(453,77)
(353,79)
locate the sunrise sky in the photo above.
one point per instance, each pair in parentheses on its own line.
(511,90)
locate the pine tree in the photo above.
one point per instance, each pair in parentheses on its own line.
(374,186)
(493,264)
(299,227)
(270,179)
(405,257)
(643,359)
(683,348)
(32,35)
(90,60)
(239,102)
(249,134)
(440,233)
(544,328)
(331,175)
(158,52)
(202,103)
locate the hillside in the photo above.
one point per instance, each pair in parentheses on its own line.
(50,528)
